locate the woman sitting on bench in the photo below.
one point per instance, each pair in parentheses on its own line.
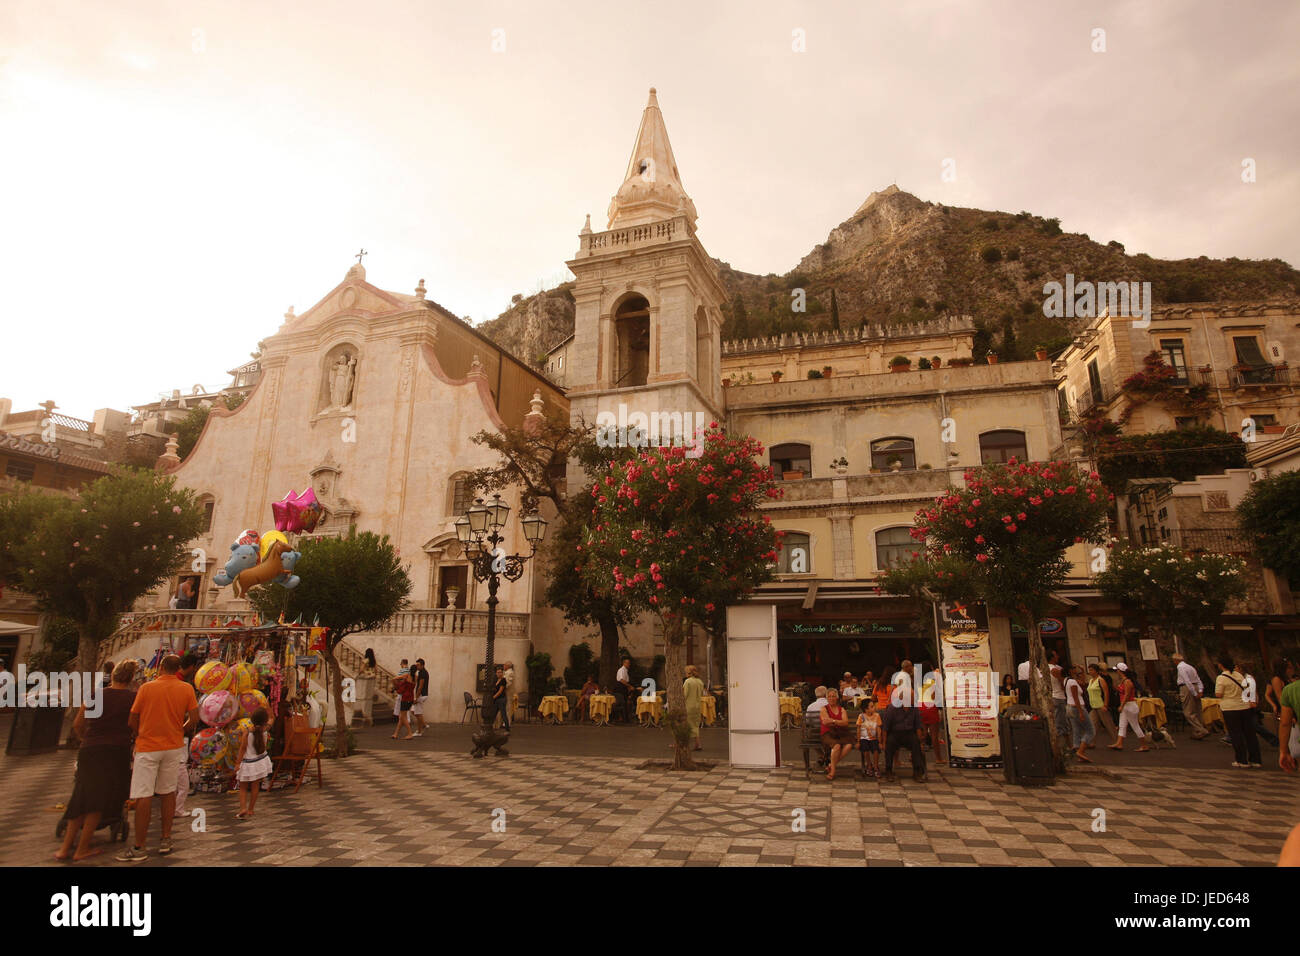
(836,732)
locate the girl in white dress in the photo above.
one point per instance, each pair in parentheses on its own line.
(253,763)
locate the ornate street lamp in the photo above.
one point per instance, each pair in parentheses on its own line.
(479,529)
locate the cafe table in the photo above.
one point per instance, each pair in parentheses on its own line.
(553,709)
(600,706)
(649,710)
(791,710)
(1151,713)
(1211,712)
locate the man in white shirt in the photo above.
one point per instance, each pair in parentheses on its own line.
(624,690)
(1190,691)
(852,691)
(1022,683)
(819,703)
(1059,709)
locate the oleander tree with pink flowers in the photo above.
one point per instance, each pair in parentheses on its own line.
(1002,539)
(682,538)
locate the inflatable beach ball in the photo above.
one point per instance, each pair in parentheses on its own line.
(219,708)
(250,701)
(238,727)
(210,747)
(212,676)
(241,679)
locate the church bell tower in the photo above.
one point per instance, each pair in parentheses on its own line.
(648,298)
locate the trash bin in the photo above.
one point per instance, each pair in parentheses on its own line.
(35,730)
(1026,747)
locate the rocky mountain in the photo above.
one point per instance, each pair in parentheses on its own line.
(900,259)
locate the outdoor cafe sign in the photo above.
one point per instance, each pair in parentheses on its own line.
(26,447)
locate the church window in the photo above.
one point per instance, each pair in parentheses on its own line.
(632,326)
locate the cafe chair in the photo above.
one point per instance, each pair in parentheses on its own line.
(471,706)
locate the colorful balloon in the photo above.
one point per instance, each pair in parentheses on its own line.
(241,679)
(219,708)
(305,512)
(269,540)
(212,676)
(211,747)
(280,511)
(251,701)
(248,536)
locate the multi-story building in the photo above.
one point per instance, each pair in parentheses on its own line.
(1231,362)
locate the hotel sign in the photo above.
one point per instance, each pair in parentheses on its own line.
(35,449)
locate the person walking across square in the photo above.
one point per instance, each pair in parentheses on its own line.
(1190,692)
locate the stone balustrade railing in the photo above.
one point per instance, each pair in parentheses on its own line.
(632,236)
(454,621)
(874,332)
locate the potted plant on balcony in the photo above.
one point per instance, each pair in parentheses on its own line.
(895,464)
(792,475)
(1040,352)
(776,375)
(936,361)
(813,373)
(841,465)
(924,365)
(726,382)
(900,363)
(826,371)
(991,357)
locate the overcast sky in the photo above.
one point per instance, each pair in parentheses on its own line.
(175,175)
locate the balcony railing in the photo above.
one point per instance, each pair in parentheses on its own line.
(454,621)
(1214,540)
(1239,376)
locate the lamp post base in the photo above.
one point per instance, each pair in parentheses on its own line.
(486,738)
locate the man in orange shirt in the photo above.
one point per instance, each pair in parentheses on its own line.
(163,710)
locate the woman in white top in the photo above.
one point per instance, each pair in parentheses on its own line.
(1230,687)
(252,763)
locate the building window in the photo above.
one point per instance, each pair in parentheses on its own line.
(1184,422)
(1263,420)
(22,470)
(209,506)
(795,556)
(632,327)
(893,545)
(1002,446)
(1176,358)
(792,460)
(1094,383)
(458,497)
(886,451)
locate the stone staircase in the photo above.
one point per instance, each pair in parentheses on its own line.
(350,662)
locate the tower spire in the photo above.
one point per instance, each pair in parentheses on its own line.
(652,187)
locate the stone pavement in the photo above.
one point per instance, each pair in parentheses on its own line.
(386,807)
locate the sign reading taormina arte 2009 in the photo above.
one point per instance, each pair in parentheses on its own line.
(970,695)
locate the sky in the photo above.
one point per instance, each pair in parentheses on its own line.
(175,175)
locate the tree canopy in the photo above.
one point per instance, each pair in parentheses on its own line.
(1270,513)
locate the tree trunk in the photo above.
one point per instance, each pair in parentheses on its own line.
(674,675)
(608,648)
(1040,688)
(334,686)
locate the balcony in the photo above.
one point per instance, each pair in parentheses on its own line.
(921,483)
(891,384)
(1243,376)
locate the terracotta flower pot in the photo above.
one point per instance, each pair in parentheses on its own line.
(1041,355)
(901,368)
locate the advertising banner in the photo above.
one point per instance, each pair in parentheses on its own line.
(970,698)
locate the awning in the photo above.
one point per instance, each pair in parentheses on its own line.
(10,628)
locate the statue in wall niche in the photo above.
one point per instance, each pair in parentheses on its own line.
(342,375)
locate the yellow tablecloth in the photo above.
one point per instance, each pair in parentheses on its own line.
(1005,701)
(599,706)
(553,708)
(791,708)
(1152,707)
(1210,711)
(649,710)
